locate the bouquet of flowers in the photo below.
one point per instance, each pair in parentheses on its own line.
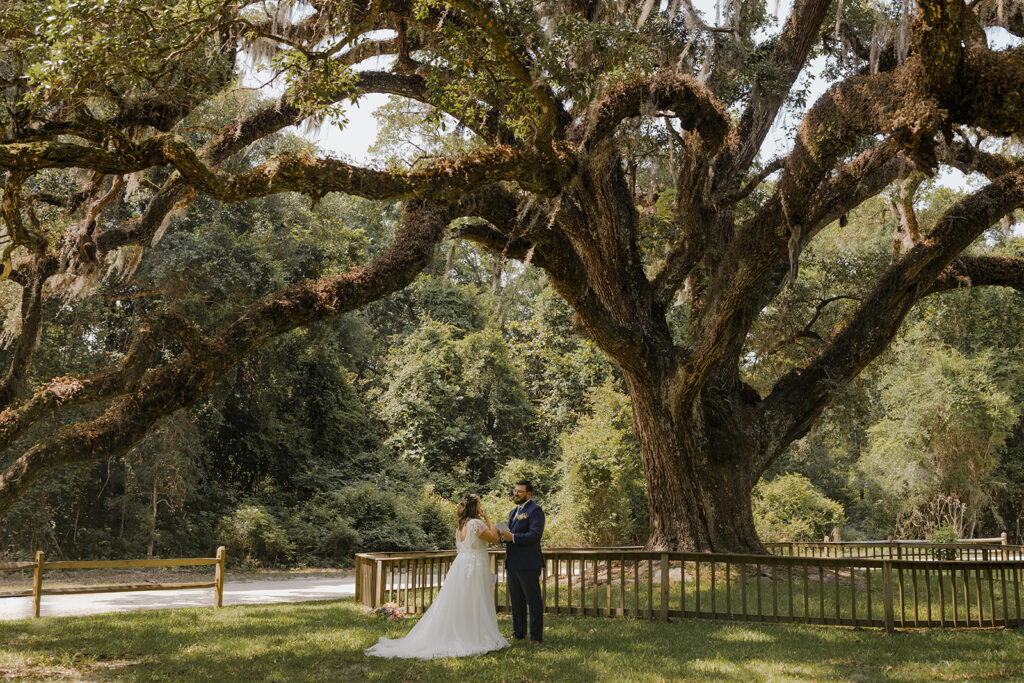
(390,611)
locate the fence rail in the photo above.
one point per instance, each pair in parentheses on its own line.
(883,592)
(964,549)
(40,565)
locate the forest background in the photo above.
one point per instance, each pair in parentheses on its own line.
(359,434)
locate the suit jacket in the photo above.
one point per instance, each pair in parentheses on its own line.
(524,551)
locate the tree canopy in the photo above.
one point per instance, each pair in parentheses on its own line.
(613,146)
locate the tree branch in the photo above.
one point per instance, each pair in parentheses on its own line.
(165,390)
(10,211)
(693,105)
(769,92)
(682,257)
(176,195)
(515,230)
(64,392)
(980,271)
(969,159)
(990,97)
(758,178)
(853,184)
(806,332)
(842,116)
(446,179)
(39,269)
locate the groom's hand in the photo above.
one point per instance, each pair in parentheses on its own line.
(505,535)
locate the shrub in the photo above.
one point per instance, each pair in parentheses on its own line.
(334,525)
(437,518)
(253,533)
(321,534)
(385,520)
(537,472)
(790,508)
(602,500)
(943,535)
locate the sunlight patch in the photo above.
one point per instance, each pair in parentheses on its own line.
(744,635)
(718,665)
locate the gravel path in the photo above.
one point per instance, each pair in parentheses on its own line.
(235,593)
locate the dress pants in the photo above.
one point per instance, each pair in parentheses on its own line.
(523,591)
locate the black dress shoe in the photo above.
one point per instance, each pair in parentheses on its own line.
(534,642)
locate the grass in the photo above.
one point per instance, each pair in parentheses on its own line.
(324,641)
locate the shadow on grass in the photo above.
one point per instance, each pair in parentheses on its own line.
(324,642)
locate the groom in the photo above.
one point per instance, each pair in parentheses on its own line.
(524,562)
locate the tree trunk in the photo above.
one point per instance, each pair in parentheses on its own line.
(124,504)
(497,268)
(449,262)
(699,474)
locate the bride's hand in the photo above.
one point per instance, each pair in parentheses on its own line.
(483,513)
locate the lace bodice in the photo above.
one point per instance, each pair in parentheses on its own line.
(473,540)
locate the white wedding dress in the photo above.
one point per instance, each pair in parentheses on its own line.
(461,621)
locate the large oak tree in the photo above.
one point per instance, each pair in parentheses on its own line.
(615,145)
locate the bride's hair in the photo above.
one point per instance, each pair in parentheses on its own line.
(469,508)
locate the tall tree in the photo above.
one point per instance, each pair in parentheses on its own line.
(564,101)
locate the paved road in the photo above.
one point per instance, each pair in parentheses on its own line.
(235,593)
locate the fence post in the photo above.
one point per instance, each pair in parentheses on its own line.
(1002,542)
(359,569)
(218,577)
(493,560)
(37,583)
(664,586)
(887,596)
(378,591)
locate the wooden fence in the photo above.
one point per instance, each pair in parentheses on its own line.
(40,565)
(844,590)
(964,549)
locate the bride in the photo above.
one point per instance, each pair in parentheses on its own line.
(461,620)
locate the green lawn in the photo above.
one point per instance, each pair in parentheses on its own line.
(324,642)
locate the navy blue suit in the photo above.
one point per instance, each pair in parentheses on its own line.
(523,564)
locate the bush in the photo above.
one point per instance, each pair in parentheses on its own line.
(321,534)
(943,535)
(437,518)
(602,500)
(385,520)
(537,472)
(333,526)
(790,508)
(253,533)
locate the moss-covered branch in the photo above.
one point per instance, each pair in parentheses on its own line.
(35,272)
(981,271)
(692,104)
(444,180)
